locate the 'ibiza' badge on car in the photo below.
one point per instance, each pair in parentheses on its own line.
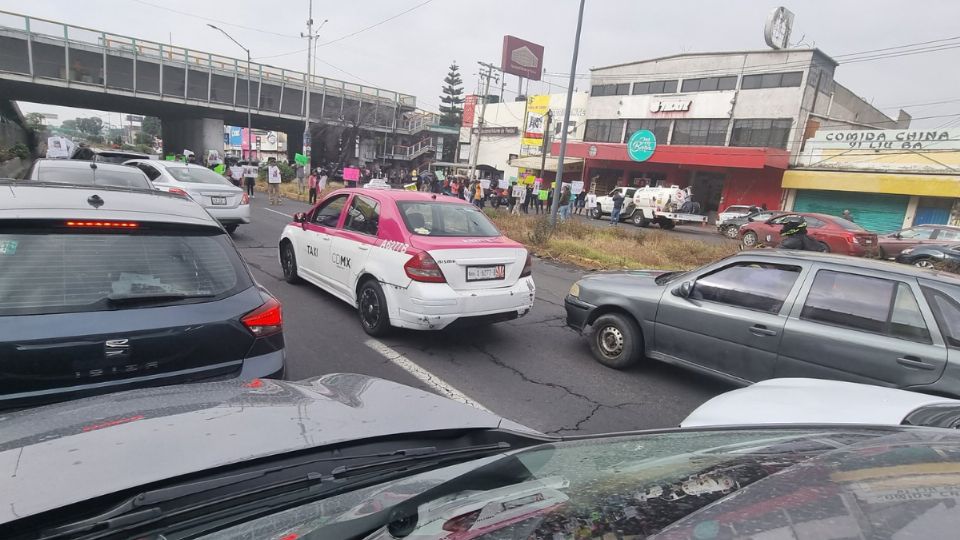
(116,348)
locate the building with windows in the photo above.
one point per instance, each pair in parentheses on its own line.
(727,124)
(888,179)
(512,134)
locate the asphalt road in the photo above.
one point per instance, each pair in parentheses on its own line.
(533,370)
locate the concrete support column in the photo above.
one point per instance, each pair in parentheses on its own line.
(294,144)
(195,134)
(911,211)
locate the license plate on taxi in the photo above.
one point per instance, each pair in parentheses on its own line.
(220,201)
(486,273)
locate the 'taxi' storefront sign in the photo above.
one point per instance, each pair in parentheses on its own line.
(890,139)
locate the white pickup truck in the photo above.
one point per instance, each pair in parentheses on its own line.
(642,206)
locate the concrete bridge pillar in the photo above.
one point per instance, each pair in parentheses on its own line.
(195,134)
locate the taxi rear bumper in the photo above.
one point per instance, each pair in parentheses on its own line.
(434,306)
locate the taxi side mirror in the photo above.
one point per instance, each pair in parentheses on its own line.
(299,217)
(683,290)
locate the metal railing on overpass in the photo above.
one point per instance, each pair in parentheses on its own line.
(49,52)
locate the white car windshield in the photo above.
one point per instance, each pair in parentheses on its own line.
(197,175)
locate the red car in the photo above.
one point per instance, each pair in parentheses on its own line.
(835,233)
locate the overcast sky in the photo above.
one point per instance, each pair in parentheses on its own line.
(411,53)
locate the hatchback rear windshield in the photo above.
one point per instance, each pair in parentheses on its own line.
(445,219)
(70,173)
(69,271)
(197,175)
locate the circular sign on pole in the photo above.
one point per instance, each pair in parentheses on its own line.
(641,145)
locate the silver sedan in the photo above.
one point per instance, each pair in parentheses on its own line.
(225,201)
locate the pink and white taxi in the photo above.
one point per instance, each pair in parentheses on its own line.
(409,259)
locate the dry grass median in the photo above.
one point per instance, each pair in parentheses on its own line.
(608,248)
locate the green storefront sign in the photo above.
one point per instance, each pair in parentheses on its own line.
(641,145)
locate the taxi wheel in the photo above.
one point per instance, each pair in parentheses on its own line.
(288,260)
(372,307)
(616,341)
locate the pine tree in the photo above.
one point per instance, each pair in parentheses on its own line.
(452,98)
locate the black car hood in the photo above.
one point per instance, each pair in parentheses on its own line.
(68,452)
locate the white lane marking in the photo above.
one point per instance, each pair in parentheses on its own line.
(431,380)
(275,212)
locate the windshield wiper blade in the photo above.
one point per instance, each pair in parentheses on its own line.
(411,455)
(142,508)
(135,298)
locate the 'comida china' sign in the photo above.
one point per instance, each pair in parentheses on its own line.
(890,139)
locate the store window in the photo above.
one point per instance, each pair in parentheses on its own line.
(622,89)
(709,84)
(772,80)
(660,128)
(655,87)
(761,132)
(603,131)
(707,132)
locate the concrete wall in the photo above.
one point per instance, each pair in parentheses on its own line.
(11,125)
(850,111)
(195,134)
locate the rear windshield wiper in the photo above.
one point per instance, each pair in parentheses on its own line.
(145,298)
(143,508)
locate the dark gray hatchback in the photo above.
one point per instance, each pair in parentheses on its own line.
(104,288)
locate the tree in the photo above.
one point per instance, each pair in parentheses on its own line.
(34,121)
(144,138)
(70,125)
(90,126)
(151,125)
(452,98)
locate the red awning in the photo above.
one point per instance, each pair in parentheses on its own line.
(708,156)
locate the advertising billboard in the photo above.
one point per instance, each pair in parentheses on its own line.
(522,58)
(469,110)
(534,123)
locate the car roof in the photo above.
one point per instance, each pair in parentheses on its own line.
(403,195)
(80,164)
(165,163)
(49,200)
(852,262)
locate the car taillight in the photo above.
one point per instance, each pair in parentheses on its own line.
(461,523)
(266,320)
(178,191)
(245,199)
(105,224)
(527,266)
(422,267)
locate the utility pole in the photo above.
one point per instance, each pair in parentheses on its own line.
(486,73)
(566,118)
(546,144)
(307,142)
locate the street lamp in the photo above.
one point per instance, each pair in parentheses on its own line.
(249,123)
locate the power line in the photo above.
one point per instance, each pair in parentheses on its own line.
(341,38)
(209,19)
(854,57)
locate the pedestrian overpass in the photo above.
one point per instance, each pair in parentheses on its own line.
(193,92)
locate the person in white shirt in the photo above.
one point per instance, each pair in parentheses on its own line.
(591,201)
(322,184)
(273,182)
(236,174)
